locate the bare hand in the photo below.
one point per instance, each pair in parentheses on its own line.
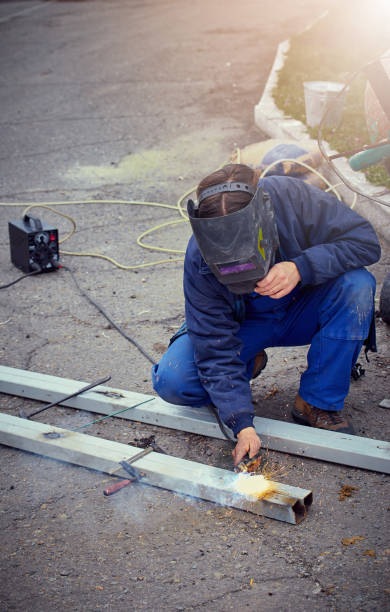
(248,442)
(280,280)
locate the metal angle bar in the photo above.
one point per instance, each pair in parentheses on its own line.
(276,435)
(284,503)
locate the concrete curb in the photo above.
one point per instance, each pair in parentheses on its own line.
(275,124)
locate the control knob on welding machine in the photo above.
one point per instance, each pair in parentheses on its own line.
(42,238)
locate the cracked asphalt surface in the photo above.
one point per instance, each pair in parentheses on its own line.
(139,100)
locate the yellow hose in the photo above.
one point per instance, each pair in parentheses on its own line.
(178,208)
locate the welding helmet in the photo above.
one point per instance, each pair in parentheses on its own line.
(240,247)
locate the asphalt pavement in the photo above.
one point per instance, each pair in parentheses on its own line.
(137,101)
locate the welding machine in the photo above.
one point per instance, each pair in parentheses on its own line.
(33,244)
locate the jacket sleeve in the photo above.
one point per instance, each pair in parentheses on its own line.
(213,331)
(331,237)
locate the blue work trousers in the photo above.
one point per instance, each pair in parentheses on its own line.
(333,318)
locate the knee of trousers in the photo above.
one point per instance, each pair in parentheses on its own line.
(352,303)
(169,383)
(164,381)
(357,287)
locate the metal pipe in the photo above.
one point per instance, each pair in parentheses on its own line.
(198,480)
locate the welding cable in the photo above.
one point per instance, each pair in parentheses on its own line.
(222,426)
(116,201)
(57,212)
(354,195)
(109,319)
(19,279)
(301,163)
(145,246)
(141,244)
(153,229)
(177,207)
(181,199)
(119,265)
(106,257)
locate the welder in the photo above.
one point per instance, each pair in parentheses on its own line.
(272,262)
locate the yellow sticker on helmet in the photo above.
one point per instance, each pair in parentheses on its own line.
(261,249)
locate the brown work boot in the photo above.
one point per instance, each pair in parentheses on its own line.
(260,363)
(332,420)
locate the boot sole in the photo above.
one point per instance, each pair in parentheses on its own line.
(299,418)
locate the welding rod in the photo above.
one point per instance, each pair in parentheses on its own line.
(63,399)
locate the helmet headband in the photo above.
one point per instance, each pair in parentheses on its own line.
(226,187)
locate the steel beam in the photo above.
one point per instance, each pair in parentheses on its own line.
(276,435)
(284,503)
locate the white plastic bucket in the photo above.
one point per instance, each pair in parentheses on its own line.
(318,94)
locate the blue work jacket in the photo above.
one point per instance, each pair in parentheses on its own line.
(320,234)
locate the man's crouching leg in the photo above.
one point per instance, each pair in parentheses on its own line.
(346,312)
